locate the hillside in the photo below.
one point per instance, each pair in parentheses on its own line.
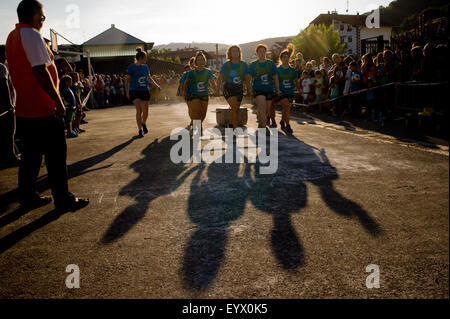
(247,48)
(206,46)
(399,10)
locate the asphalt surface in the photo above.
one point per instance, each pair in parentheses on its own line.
(342,199)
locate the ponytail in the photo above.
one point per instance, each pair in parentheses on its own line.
(290,50)
(140,54)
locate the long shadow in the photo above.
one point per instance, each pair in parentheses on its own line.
(13,238)
(314,166)
(218,196)
(157,176)
(219,193)
(74,170)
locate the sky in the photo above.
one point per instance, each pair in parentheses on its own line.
(166,21)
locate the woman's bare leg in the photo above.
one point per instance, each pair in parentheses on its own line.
(261,104)
(234,114)
(138,104)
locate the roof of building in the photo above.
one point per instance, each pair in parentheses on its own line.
(113,36)
(352,19)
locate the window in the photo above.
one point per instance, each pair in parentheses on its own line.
(342,27)
(349,28)
(349,39)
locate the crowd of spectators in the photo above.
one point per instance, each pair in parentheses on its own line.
(338,77)
(109,90)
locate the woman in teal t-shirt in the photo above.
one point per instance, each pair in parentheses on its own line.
(232,75)
(197,84)
(289,80)
(265,82)
(138,89)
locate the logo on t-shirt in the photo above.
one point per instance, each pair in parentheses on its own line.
(142,81)
(265,79)
(287,84)
(201,87)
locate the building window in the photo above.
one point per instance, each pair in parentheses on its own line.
(349,28)
(350,51)
(342,27)
(349,39)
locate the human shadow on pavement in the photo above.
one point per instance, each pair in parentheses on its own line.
(218,196)
(13,238)
(74,170)
(157,176)
(220,192)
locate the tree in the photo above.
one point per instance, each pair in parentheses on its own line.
(169,59)
(318,41)
(177,60)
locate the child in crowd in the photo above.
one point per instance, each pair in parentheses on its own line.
(70,104)
(355,85)
(307,83)
(333,92)
(319,85)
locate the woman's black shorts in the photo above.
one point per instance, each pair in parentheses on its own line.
(191,97)
(285,96)
(269,95)
(141,95)
(230,90)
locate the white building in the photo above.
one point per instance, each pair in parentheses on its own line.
(354,33)
(115,43)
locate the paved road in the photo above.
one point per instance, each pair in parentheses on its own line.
(342,199)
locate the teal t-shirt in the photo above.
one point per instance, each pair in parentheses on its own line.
(234,73)
(139,77)
(199,81)
(183,77)
(262,74)
(287,77)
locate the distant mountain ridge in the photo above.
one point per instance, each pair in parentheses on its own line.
(206,46)
(247,48)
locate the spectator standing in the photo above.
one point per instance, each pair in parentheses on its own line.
(39,111)
(7,117)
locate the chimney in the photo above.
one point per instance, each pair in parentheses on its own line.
(113,26)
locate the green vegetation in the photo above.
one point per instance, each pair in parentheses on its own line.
(318,41)
(406,13)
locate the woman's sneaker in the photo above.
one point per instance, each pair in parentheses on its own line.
(72,134)
(144,127)
(140,135)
